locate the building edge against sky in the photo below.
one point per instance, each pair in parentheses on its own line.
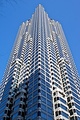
(41,80)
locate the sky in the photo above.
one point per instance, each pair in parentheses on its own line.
(12,14)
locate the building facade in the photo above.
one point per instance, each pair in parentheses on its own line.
(41,81)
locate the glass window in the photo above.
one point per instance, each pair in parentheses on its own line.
(16,108)
(76,96)
(43,115)
(49,97)
(74,90)
(43,87)
(43,93)
(30,96)
(62,100)
(36,86)
(35,99)
(1,114)
(30,103)
(64,114)
(78,112)
(76,100)
(49,118)
(48,79)
(32,108)
(35,93)
(42,81)
(34,115)
(77,106)
(48,90)
(49,103)
(43,99)
(17,101)
(43,107)
(14,116)
(47,84)
(2,107)
(63,107)
(49,110)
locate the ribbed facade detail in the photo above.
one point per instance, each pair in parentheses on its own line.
(41,81)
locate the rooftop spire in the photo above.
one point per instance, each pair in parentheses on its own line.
(40,6)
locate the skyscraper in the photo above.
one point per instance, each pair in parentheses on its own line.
(41,81)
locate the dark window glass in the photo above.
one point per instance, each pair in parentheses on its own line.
(43,107)
(64,114)
(43,115)
(43,99)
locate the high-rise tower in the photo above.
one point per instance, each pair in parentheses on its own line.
(41,81)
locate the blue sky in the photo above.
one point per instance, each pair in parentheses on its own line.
(67,12)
